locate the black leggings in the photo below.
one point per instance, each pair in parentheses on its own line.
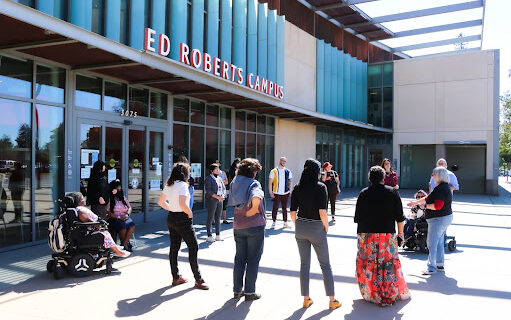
(181,228)
(332,197)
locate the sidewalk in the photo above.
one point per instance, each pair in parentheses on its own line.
(477,275)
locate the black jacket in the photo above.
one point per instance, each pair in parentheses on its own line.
(97,188)
(378,209)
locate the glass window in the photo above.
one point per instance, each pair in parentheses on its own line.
(29,3)
(270,156)
(240,120)
(15,77)
(388,75)
(113,152)
(270,125)
(387,108)
(211,147)
(156,157)
(374,75)
(261,156)
(51,82)
(136,156)
(212,115)
(60,9)
(88,92)
(251,122)
(239,143)
(158,105)
(197,112)
(49,165)
(251,145)
(181,111)
(197,157)
(261,124)
(225,149)
(375,107)
(139,101)
(90,149)
(180,146)
(115,97)
(98,16)
(225,118)
(15,171)
(123,37)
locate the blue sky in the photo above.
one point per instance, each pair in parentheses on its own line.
(496,31)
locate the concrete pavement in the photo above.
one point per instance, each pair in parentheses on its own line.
(476,284)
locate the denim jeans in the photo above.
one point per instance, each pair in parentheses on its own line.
(214,211)
(437,228)
(249,248)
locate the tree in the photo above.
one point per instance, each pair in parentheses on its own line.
(24,136)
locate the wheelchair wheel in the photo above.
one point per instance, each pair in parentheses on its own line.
(50,266)
(109,267)
(57,272)
(81,265)
(451,245)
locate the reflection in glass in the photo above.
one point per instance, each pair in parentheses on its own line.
(240,120)
(270,155)
(180,137)
(388,75)
(156,157)
(15,77)
(374,73)
(90,152)
(15,172)
(88,92)
(261,124)
(197,157)
(387,108)
(251,145)
(139,100)
(270,125)
(375,107)
(239,142)
(113,153)
(251,122)
(115,97)
(158,105)
(51,82)
(97,16)
(261,156)
(225,118)
(136,169)
(181,111)
(197,112)
(49,165)
(225,149)
(211,147)
(212,115)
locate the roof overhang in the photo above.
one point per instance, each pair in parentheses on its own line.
(31,32)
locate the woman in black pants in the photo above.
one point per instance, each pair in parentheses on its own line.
(98,190)
(175,198)
(309,197)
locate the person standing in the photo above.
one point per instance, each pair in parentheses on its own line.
(17,188)
(280,185)
(331,179)
(225,179)
(98,191)
(378,270)
(247,198)
(175,198)
(391,178)
(214,187)
(453,180)
(438,205)
(310,199)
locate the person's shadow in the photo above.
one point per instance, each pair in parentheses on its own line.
(147,302)
(366,310)
(231,309)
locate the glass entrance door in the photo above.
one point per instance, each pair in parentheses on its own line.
(136,169)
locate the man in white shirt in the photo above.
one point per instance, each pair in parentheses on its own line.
(453,180)
(280,185)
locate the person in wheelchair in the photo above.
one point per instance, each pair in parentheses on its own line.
(119,210)
(86,215)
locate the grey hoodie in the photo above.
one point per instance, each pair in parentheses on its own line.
(243,189)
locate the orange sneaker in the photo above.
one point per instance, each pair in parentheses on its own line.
(334,305)
(307,303)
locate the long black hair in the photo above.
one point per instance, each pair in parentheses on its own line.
(180,172)
(97,171)
(118,196)
(310,173)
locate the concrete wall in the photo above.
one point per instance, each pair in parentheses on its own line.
(447,98)
(300,68)
(296,141)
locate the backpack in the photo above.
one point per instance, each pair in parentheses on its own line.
(56,235)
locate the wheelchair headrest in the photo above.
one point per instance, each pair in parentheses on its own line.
(69,202)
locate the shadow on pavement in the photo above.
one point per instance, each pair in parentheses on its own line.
(230,310)
(366,310)
(147,302)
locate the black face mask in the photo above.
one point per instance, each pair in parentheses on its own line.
(216,175)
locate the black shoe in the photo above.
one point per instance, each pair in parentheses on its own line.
(252,296)
(226,222)
(440,268)
(130,247)
(238,295)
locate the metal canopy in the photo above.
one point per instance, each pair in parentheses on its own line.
(347,15)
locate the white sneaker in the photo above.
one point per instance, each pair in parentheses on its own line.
(273,225)
(286,225)
(218,238)
(124,254)
(210,239)
(427,272)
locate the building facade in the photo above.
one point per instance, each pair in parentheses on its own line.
(141,83)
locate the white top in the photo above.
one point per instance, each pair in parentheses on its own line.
(281,180)
(179,188)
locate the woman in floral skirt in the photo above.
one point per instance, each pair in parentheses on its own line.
(379,273)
